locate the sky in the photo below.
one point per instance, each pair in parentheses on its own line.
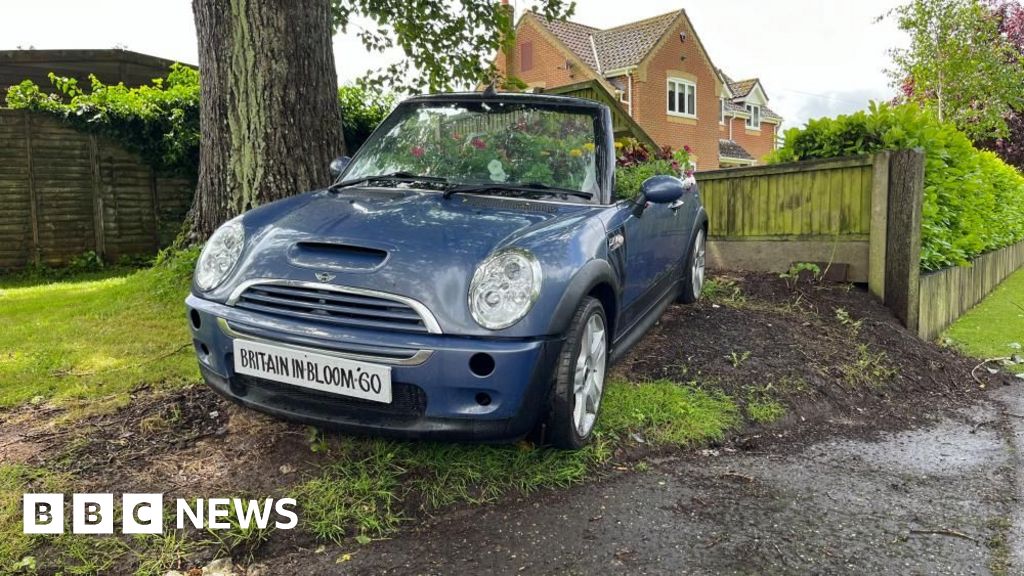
(814,57)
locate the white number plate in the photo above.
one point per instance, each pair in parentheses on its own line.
(315,371)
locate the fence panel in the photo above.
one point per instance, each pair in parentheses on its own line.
(64,192)
(768,217)
(948,294)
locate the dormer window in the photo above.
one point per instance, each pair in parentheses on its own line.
(754,121)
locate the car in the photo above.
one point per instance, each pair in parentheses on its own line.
(470,275)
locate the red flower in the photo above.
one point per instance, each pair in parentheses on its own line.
(687,148)
(478,143)
(416,151)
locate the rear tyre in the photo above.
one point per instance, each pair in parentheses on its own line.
(693,278)
(579,379)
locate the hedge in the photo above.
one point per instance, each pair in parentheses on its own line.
(160,121)
(973,201)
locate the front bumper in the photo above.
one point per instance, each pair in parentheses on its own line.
(436,393)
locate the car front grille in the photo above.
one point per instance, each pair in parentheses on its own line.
(408,401)
(330,305)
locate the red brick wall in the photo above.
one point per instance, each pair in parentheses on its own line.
(650,88)
(759,144)
(548,68)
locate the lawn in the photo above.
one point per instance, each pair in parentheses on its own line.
(995,327)
(95,336)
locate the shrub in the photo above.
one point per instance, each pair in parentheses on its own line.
(362,110)
(973,201)
(636,163)
(160,121)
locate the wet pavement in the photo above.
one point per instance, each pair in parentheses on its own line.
(940,499)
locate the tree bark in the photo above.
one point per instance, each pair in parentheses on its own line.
(269,110)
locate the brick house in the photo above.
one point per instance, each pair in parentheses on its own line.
(662,77)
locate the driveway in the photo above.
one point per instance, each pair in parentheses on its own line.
(940,498)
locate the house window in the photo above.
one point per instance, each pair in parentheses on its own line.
(682,98)
(755,116)
(525,56)
(721,110)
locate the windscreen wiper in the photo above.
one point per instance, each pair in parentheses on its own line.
(400,176)
(522,187)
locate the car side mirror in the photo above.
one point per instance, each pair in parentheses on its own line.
(660,190)
(338,166)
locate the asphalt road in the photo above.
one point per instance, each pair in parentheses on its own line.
(943,498)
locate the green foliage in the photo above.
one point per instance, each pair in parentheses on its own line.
(443,42)
(973,201)
(635,163)
(159,121)
(959,62)
(362,110)
(667,413)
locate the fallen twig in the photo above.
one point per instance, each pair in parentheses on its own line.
(946,532)
(983,362)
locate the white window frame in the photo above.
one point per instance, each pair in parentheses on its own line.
(672,87)
(754,122)
(721,111)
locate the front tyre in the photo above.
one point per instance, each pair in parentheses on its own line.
(693,278)
(579,380)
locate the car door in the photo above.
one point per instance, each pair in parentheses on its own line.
(651,245)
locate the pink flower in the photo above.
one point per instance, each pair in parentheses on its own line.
(416,151)
(478,143)
(687,148)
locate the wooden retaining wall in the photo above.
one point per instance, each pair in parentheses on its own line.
(948,294)
(769,217)
(64,192)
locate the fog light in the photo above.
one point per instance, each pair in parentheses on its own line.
(197,320)
(481,364)
(483,399)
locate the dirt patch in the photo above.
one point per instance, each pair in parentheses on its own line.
(830,353)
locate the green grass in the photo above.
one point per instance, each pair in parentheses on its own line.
(372,483)
(95,336)
(765,410)
(988,330)
(16,480)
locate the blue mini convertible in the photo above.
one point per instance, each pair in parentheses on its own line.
(470,275)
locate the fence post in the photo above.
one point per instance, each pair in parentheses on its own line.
(879,217)
(97,199)
(33,202)
(903,236)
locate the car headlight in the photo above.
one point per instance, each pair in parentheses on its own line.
(220,255)
(504,288)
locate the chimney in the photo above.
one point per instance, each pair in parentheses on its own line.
(508,44)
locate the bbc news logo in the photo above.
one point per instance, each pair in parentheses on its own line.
(144,513)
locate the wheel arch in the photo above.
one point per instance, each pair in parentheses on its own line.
(597,279)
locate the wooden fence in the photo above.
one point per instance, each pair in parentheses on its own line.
(861,214)
(769,217)
(63,193)
(947,294)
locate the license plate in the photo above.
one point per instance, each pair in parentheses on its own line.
(312,370)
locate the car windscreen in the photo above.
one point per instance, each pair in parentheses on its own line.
(486,142)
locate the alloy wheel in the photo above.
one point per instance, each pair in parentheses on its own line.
(588,380)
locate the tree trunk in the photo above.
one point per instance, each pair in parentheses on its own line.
(269,110)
